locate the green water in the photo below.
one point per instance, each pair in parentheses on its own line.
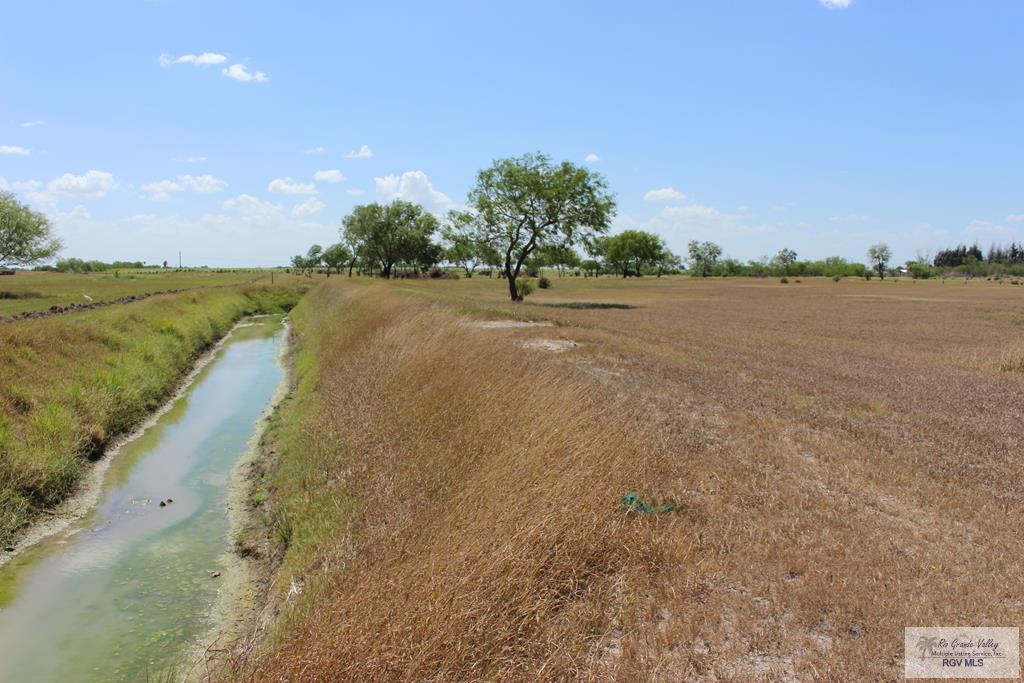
(123,595)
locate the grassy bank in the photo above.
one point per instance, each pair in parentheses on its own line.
(70,384)
(449,508)
(447,496)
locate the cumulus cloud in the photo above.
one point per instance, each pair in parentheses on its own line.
(592,158)
(412,186)
(836,4)
(240,73)
(665,194)
(308,207)
(314,150)
(363,152)
(20,185)
(329,176)
(205,184)
(253,209)
(161,190)
(289,186)
(91,184)
(14,150)
(205,59)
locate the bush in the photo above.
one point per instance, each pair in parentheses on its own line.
(524,287)
(836,278)
(868,275)
(784,280)
(544,283)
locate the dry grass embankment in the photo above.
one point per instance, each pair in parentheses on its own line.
(845,456)
(70,384)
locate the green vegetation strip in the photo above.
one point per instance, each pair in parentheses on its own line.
(71,384)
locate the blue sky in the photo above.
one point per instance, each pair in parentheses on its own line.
(241,132)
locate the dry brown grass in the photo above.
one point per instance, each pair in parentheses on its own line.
(843,471)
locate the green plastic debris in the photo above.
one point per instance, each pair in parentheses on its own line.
(634,503)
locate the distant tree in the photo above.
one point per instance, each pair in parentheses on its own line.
(26,236)
(525,203)
(667,262)
(165,264)
(462,248)
(336,256)
(703,257)
(591,268)
(784,261)
(559,257)
(879,256)
(387,234)
(633,249)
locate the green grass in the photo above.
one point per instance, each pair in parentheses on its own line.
(38,291)
(69,384)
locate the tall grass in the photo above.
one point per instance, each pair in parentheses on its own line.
(452,505)
(70,384)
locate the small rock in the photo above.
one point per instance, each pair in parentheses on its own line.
(170,500)
(9,548)
(163,504)
(214,574)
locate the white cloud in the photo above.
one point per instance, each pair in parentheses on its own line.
(289,186)
(836,4)
(20,185)
(851,218)
(987,231)
(92,184)
(240,73)
(314,150)
(308,207)
(363,152)
(206,184)
(592,158)
(412,186)
(665,194)
(14,150)
(353,191)
(253,209)
(205,59)
(330,176)
(161,190)
(189,159)
(1015,218)
(33,124)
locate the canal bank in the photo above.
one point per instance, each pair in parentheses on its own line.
(126,592)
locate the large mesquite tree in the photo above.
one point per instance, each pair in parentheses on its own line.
(524,203)
(26,236)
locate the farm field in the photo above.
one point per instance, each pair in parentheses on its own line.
(38,291)
(448,482)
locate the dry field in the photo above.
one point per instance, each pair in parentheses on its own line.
(845,458)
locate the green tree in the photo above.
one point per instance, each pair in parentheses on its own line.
(879,256)
(336,256)
(387,234)
(26,236)
(525,203)
(703,257)
(559,256)
(633,249)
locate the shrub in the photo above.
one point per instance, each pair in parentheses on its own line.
(524,287)
(784,280)
(544,283)
(867,275)
(836,278)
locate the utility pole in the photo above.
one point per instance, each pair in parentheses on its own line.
(179,260)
